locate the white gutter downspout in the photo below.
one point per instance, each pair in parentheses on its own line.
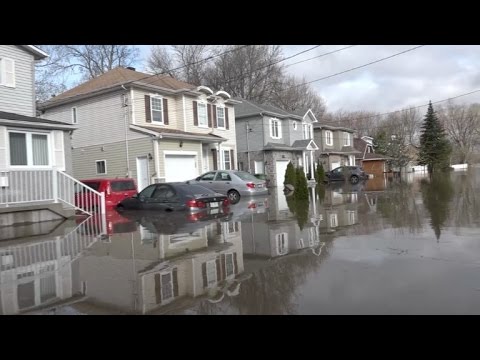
(156,157)
(125,105)
(184,115)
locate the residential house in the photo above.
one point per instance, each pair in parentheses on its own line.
(335,146)
(34,152)
(372,163)
(150,127)
(268,138)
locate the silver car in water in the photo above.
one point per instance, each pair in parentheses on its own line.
(234,183)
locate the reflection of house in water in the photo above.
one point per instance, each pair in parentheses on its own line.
(41,270)
(144,271)
(276,232)
(339,208)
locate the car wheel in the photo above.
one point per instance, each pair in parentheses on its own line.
(354,179)
(233,196)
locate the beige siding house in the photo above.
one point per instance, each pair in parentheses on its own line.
(150,127)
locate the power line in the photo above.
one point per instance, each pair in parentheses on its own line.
(354,68)
(319,56)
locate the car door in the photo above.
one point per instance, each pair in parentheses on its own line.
(337,174)
(207,179)
(162,198)
(222,182)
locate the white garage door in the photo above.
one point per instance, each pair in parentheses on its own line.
(180,168)
(334,165)
(281,166)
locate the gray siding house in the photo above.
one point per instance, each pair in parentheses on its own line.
(336,146)
(32,150)
(150,127)
(268,138)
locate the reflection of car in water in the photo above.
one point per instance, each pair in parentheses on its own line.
(246,207)
(346,186)
(115,224)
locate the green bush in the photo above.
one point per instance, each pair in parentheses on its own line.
(319,172)
(290,175)
(301,186)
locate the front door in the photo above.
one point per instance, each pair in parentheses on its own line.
(142,173)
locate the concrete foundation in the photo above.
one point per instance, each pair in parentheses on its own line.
(29,214)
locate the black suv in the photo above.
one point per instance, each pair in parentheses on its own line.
(352,173)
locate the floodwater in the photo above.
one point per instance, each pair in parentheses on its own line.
(386,246)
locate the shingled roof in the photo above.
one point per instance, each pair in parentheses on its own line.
(120,76)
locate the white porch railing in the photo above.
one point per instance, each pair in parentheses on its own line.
(21,187)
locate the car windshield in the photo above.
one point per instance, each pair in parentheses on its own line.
(245,176)
(195,189)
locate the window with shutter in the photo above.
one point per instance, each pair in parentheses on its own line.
(221,118)
(202,114)
(7,72)
(156,107)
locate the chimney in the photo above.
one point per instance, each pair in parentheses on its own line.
(131,68)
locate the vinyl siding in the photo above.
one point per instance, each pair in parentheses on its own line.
(84,159)
(256,140)
(100,119)
(19,99)
(175,116)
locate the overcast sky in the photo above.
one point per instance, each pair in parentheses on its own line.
(432,72)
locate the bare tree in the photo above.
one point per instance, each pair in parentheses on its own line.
(184,62)
(294,94)
(87,60)
(461,122)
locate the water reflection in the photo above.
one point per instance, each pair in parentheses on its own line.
(260,258)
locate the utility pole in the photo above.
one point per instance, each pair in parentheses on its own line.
(248,147)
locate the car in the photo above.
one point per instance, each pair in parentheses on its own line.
(352,173)
(233,183)
(168,197)
(115,190)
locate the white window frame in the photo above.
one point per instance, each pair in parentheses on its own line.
(351,217)
(307,130)
(156,97)
(28,138)
(281,241)
(227,255)
(223,159)
(329,143)
(212,280)
(162,297)
(333,220)
(206,114)
(279,128)
(294,125)
(96,167)
(74,115)
(3,72)
(224,127)
(346,138)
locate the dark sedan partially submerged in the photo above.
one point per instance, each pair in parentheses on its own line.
(167,197)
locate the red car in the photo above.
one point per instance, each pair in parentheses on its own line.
(115,190)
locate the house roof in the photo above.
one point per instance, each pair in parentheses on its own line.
(361,145)
(331,126)
(18,120)
(304,144)
(38,54)
(117,77)
(250,108)
(179,134)
(276,146)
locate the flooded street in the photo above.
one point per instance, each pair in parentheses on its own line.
(385,246)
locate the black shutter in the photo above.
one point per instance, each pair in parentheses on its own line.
(219,271)
(214,154)
(195,114)
(175,282)
(235,263)
(222,263)
(209,107)
(232,160)
(148,113)
(158,295)
(204,274)
(165,111)
(214,115)
(226,119)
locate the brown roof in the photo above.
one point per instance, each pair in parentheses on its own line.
(360,145)
(120,76)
